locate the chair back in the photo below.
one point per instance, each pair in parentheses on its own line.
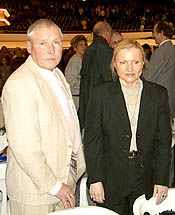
(94,210)
(141,205)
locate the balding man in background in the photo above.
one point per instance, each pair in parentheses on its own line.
(115,39)
(95,65)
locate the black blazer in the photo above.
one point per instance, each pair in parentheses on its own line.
(108,135)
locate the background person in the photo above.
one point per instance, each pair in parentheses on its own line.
(147,49)
(161,69)
(45,157)
(115,39)
(5,70)
(72,71)
(127,135)
(95,66)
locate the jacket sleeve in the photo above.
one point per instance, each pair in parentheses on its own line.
(153,69)
(20,110)
(163,144)
(93,140)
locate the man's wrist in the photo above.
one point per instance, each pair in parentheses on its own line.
(56,188)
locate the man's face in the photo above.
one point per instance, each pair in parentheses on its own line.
(115,39)
(156,35)
(46,47)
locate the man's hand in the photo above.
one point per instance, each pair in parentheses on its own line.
(66,195)
(97,192)
(161,192)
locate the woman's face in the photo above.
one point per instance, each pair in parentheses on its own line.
(129,64)
(81,47)
(4,61)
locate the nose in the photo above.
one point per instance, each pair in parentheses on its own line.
(130,67)
(51,49)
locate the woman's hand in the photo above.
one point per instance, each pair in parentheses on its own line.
(97,192)
(161,192)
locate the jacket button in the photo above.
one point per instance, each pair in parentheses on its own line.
(127,136)
(142,165)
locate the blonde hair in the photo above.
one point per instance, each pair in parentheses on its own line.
(38,24)
(126,44)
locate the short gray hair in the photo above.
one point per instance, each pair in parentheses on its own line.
(38,24)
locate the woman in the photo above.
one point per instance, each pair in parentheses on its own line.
(127,135)
(72,71)
(5,69)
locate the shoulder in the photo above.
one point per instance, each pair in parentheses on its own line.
(24,72)
(154,88)
(106,87)
(73,63)
(75,59)
(26,76)
(165,48)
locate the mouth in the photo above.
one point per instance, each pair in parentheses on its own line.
(130,75)
(50,59)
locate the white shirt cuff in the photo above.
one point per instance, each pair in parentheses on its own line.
(56,188)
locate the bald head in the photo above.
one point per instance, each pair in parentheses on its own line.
(103,29)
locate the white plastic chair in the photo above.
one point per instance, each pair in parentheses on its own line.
(94,210)
(3,188)
(85,199)
(141,205)
(83,192)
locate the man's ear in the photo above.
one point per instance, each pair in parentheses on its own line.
(29,47)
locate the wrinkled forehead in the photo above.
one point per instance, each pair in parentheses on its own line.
(47,31)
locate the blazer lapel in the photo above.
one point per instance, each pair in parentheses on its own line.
(121,109)
(52,99)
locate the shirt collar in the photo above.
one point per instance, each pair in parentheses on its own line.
(101,38)
(164,42)
(123,84)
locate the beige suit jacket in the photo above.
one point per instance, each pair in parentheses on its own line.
(40,146)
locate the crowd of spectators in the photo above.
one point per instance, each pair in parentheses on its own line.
(10,60)
(78,15)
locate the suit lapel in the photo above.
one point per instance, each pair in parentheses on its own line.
(121,109)
(51,97)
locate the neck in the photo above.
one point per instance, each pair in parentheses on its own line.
(79,55)
(130,84)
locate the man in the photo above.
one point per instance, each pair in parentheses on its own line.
(147,49)
(161,67)
(115,39)
(95,65)
(45,157)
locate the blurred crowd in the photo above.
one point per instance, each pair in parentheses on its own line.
(76,15)
(10,60)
